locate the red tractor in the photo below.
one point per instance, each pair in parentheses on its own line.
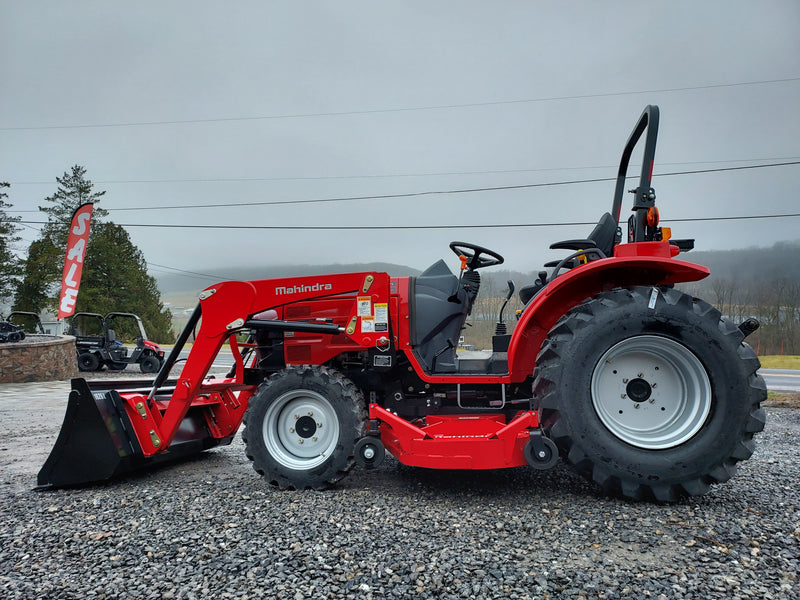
(643,389)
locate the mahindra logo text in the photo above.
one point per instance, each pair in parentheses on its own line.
(298,289)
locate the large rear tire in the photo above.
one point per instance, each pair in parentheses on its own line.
(649,393)
(302,426)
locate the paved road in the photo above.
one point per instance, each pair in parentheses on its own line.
(222,362)
(782,380)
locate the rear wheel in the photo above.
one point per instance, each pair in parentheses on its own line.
(149,364)
(88,361)
(302,426)
(649,393)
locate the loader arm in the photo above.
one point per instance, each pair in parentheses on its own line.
(229,307)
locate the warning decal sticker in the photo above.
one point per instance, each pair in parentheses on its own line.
(367,324)
(381,317)
(364,306)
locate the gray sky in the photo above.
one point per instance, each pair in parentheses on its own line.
(534,92)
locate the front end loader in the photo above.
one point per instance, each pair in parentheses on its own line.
(644,390)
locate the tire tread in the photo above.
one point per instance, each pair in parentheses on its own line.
(552,365)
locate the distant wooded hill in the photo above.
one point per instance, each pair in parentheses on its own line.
(171,283)
(756,282)
(780,261)
(757,265)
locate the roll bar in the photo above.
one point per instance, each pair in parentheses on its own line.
(645,195)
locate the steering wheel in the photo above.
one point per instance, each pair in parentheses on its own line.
(473,253)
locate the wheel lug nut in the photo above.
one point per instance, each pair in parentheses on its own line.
(640,375)
(625,380)
(300,441)
(296,417)
(636,405)
(319,425)
(314,439)
(291,429)
(310,414)
(623,396)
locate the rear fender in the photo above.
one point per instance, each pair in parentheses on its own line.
(572,288)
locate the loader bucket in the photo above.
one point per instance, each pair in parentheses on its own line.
(97,441)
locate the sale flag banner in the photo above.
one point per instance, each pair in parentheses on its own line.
(73,260)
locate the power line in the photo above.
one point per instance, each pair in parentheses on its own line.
(398,175)
(435,192)
(28,226)
(205,275)
(401,109)
(421,227)
(165,272)
(739,218)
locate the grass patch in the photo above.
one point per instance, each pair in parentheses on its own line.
(776,361)
(780,400)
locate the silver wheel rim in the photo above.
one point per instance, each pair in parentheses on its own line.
(300,429)
(651,392)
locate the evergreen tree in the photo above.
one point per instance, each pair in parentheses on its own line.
(42,270)
(115,279)
(34,291)
(73,190)
(114,275)
(9,263)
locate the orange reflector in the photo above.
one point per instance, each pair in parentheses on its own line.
(666,233)
(652,216)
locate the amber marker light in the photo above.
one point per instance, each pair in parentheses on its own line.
(652,216)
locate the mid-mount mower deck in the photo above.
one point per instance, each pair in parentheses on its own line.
(646,391)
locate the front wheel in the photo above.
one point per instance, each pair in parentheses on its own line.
(302,426)
(650,393)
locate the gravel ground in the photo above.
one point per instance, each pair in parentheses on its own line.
(211,528)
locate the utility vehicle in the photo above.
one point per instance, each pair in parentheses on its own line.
(97,344)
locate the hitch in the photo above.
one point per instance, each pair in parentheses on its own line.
(749,326)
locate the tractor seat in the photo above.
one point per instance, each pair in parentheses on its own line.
(603,237)
(599,244)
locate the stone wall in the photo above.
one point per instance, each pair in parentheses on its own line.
(38,358)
